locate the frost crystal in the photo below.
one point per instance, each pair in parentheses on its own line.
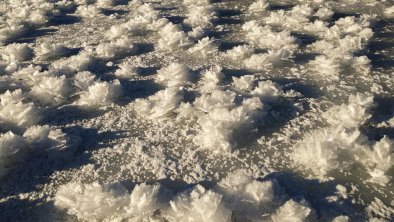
(101,94)
(14,112)
(198,204)
(175,74)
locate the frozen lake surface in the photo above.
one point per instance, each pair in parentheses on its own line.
(196,110)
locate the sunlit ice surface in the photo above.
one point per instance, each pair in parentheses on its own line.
(196,110)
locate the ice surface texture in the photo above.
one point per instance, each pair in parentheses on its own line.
(196,110)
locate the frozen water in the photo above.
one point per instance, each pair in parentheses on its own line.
(196,110)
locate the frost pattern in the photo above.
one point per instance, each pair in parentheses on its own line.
(160,105)
(342,145)
(15,112)
(237,196)
(174,74)
(198,204)
(101,94)
(36,140)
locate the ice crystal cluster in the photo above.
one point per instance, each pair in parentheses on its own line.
(224,114)
(37,140)
(341,145)
(239,195)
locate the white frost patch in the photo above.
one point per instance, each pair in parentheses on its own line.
(172,38)
(88,11)
(51,90)
(108,3)
(81,62)
(115,49)
(196,2)
(14,149)
(239,53)
(264,37)
(30,75)
(324,13)
(389,12)
(215,99)
(14,112)
(244,83)
(341,219)
(175,74)
(91,201)
(198,204)
(295,19)
(111,201)
(353,114)
(238,197)
(293,211)
(126,69)
(200,16)
(10,33)
(258,7)
(267,91)
(325,150)
(379,160)
(341,145)
(17,52)
(47,51)
(339,42)
(161,105)
(83,80)
(144,201)
(249,198)
(31,14)
(224,116)
(145,18)
(316,28)
(264,60)
(332,148)
(196,33)
(101,94)
(325,68)
(221,127)
(224,121)
(205,46)
(211,78)
(362,65)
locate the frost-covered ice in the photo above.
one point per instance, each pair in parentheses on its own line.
(51,51)
(15,112)
(237,196)
(196,110)
(101,94)
(15,149)
(174,74)
(51,90)
(342,144)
